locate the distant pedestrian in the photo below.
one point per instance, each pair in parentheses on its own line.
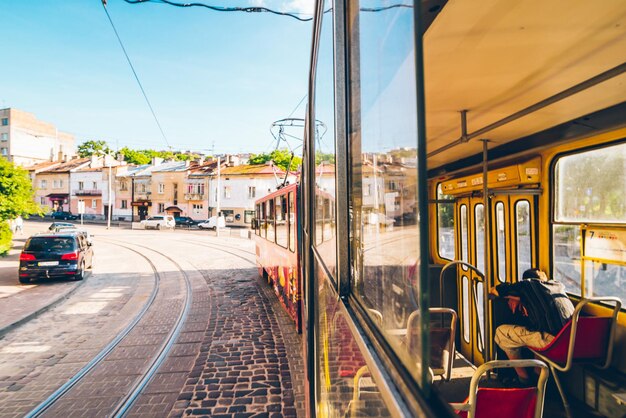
(19,225)
(11,225)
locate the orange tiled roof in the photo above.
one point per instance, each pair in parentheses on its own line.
(70,165)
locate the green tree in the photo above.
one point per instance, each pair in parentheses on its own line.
(280,157)
(88,148)
(16,199)
(132,156)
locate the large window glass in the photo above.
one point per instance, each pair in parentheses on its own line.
(385,235)
(324,144)
(591,186)
(524,249)
(445,224)
(464,236)
(566,261)
(292,222)
(269,220)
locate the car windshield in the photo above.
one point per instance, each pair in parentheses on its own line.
(56,244)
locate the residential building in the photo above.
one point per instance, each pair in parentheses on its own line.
(90,184)
(52,185)
(197,190)
(238,187)
(26,140)
(124,191)
(169,181)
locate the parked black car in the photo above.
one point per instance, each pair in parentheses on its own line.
(64,216)
(64,254)
(185,221)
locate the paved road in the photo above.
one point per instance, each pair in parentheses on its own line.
(233,353)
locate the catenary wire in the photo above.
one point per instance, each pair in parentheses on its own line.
(135,74)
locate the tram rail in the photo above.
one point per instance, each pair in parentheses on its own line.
(133,393)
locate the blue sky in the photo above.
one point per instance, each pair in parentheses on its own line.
(212,77)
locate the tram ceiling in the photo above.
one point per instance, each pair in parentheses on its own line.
(501,58)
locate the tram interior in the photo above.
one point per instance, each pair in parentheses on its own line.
(493,127)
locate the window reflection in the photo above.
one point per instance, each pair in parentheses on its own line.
(383,139)
(324,144)
(479,222)
(445,225)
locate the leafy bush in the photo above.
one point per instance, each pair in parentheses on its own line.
(5,238)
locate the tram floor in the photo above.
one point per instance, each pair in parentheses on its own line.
(457,390)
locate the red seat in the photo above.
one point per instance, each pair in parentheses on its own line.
(508,402)
(591,347)
(504,402)
(584,339)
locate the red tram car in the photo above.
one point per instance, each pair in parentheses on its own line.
(276,239)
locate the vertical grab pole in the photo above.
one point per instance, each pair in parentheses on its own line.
(486,279)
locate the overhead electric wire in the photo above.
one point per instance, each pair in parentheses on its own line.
(135,74)
(297,106)
(255,9)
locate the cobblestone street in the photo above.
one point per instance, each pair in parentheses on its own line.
(237,353)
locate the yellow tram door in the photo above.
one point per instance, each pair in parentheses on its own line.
(470,231)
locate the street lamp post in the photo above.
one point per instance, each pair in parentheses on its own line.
(217,220)
(109,212)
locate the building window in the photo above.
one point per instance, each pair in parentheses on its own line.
(251,192)
(42,200)
(197,208)
(124,204)
(142,188)
(94,204)
(227,192)
(55,184)
(161,207)
(43,184)
(161,188)
(95,185)
(4,136)
(4,151)
(123,186)
(5,121)
(195,188)
(81,185)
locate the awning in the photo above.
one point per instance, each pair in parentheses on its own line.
(58,195)
(141,203)
(174,208)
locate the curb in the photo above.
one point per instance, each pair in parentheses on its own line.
(35,314)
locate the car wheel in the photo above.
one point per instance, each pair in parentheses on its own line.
(81,274)
(158,226)
(24,280)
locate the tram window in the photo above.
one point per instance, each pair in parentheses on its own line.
(281,221)
(386,236)
(292,222)
(480,311)
(604,279)
(269,214)
(479,230)
(501,241)
(445,225)
(264,219)
(465,303)
(257,223)
(589,186)
(524,250)
(566,261)
(464,235)
(324,144)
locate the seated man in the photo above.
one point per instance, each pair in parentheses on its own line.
(544,309)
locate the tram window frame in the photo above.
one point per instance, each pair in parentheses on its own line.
(480,259)
(263,220)
(578,225)
(464,235)
(291,202)
(520,268)
(440,204)
(501,262)
(270,221)
(279,201)
(257,229)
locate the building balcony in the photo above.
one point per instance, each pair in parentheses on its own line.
(195,196)
(87,192)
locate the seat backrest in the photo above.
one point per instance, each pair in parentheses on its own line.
(439,342)
(591,344)
(504,403)
(508,402)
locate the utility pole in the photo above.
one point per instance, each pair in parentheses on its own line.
(110,195)
(219,174)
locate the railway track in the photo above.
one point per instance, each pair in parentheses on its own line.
(126,402)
